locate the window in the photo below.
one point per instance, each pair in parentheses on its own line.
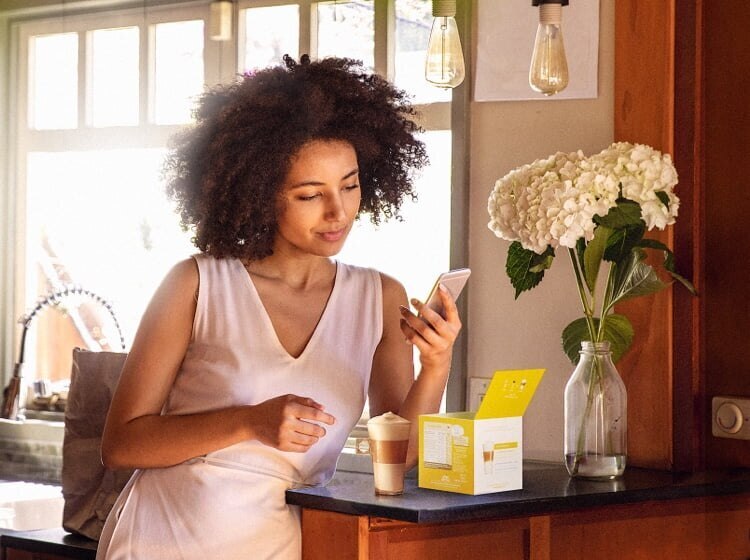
(98,97)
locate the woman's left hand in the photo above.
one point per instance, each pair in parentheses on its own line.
(432,334)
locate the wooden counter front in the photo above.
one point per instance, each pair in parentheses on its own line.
(644,515)
(693,529)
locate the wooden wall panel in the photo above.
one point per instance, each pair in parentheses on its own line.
(727,213)
(688,358)
(681,81)
(644,38)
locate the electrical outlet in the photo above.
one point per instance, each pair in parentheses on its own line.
(477,389)
(730,417)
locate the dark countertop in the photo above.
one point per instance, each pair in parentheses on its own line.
(547,489)
(50,541)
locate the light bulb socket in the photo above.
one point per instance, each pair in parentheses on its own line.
(540,2)
(443,8)
(550,14)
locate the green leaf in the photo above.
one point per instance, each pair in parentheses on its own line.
(525,268)
(592,256)
(572,336)
(663,197)
(669,264)
(654,244)
(579,251)
(617,330)
(622,241)
(625,267)
(544,264)
(684,281)
(669,261)
(625,213)
(640,281)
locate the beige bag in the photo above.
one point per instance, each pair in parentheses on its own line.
(89,489)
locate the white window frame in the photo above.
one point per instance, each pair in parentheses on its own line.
(221,65)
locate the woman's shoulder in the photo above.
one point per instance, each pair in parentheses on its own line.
(183,274)
(208,264)
(392,290)
(391,286)
(389,283)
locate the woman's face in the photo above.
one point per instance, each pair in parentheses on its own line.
(319,199)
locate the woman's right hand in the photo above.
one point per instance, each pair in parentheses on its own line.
(289,422)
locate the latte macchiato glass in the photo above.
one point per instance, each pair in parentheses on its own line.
(389,442)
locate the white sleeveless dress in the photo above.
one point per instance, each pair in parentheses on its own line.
(230,504)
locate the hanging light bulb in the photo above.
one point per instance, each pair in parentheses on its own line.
(445,59)
(548,73)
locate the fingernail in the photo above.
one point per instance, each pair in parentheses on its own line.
(403,309)
(414,301)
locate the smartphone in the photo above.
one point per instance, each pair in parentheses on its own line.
(454,281)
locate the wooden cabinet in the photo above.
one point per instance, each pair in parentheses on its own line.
(692,529)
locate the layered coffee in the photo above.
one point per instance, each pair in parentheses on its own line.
(488,456)
(389,443)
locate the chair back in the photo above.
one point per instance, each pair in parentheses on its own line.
(89,489)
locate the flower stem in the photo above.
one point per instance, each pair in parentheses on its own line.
(587,311)
(595,379)
(606,304)
(594,385)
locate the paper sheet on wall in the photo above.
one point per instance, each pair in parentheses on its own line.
(506,30)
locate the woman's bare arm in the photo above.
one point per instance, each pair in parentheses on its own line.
(392,385)
(136,435)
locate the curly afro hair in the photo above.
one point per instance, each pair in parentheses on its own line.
(224,173)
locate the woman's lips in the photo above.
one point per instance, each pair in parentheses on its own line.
(333,235)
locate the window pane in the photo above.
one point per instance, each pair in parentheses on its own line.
(270,33)
(347,29)
(413,24)
(178,70)
(116,238)
(114,76)
(53,81)
(426,224)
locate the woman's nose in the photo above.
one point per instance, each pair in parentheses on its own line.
(335,209)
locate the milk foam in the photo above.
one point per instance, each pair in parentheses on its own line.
(388,427)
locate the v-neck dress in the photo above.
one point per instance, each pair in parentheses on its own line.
(230,504)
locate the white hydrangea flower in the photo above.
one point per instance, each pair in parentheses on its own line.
(553,201)
(642,172)
(545,204)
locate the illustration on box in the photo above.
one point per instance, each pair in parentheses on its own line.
(482,452)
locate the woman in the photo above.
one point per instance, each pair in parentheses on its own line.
(254,358)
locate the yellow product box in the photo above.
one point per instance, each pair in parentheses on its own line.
(482,452)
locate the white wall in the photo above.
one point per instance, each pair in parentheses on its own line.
(504,333)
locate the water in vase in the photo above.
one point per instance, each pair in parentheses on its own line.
(595,465)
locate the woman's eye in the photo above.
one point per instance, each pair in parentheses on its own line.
(351,187)
(311,197)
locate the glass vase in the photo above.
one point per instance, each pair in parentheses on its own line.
(595,416)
